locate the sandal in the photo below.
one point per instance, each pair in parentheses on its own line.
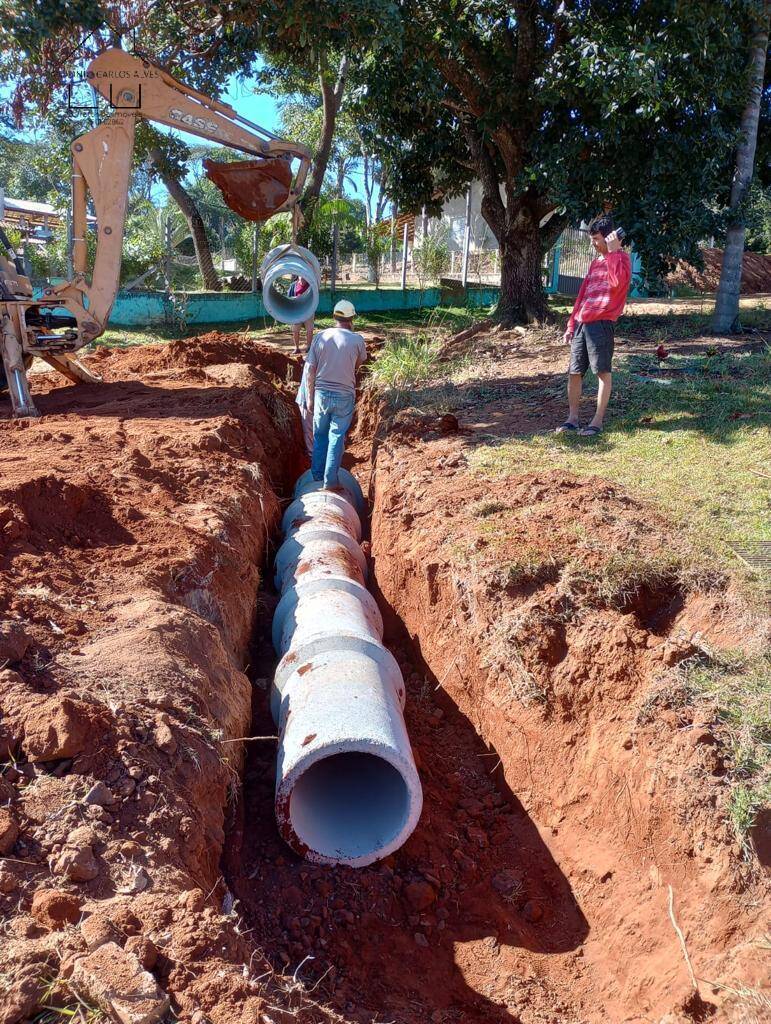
(590,431)
(566,428)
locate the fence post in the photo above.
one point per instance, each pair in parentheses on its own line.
(555,270)
(393,238)
(404,258)
(255,237)
(333,274)
(466,241)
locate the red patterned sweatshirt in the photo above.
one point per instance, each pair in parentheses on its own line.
(602,295)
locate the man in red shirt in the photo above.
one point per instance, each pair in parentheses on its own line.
(600,302)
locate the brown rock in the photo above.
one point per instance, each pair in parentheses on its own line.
(507,882)
(9,830)
(532,911)
(8,881)
(14,641)
(116,980)
(164,738)
(98,929)
(62,727)
(448,424)
(420,895)
(144,950)
(77,863)
(53,908)
(420,939)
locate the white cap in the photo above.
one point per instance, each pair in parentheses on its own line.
(344,309)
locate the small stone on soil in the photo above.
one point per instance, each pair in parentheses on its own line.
(9,830)
(116,980)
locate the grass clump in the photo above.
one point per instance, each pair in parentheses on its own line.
(405,362)
(624,577)
(488,508)
(739,688)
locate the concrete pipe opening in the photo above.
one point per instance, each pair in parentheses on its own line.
(278,269)
(351,808)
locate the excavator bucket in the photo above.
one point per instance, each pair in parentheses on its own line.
(255,189)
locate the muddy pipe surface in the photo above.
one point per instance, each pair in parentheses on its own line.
(347,789)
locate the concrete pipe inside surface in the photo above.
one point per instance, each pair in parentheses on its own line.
(278,268)
(349,804)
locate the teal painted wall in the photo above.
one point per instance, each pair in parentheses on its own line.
(139,309)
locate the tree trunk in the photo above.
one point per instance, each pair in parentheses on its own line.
(186,203)
(331,98)
(522,298)
(726,315)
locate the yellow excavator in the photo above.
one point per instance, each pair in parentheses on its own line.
(70,315)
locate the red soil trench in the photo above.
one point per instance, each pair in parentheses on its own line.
(136,525)
(535,886)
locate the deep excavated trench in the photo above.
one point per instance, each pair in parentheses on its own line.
(535,885)
(475,878)
(492,912)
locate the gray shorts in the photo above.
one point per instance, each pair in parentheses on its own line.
(592,345)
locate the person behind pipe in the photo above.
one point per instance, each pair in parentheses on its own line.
(296,289)
(306,412)
(590,330)
(332,361)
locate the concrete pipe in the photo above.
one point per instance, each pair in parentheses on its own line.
(282,262)
(347,790)
(348,483)
(334,508)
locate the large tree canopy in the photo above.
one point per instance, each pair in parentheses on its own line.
(561,108)
(631,105)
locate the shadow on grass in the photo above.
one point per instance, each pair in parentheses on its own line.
(713,395)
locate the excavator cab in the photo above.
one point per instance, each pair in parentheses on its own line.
(254,189)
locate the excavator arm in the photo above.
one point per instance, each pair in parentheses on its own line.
(101,166)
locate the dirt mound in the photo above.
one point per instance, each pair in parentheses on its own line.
(552,612)
(756,273)
(206,350)
(134,520)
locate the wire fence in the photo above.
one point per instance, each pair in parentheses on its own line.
(175,266)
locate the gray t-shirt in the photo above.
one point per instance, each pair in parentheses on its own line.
(335,355)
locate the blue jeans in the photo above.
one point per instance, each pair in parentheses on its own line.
(332,415)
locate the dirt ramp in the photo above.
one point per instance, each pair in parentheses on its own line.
(134,522)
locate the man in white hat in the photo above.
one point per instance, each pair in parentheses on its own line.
(332,361)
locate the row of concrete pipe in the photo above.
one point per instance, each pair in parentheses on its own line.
(347,789)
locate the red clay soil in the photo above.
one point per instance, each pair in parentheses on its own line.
(563,793)
(134,521)
(756,273)
(613,789)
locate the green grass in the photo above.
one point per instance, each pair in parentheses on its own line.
(405,362)
(697,447)
(739,687)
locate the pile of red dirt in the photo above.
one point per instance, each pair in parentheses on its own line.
(756,273)
(134,521)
